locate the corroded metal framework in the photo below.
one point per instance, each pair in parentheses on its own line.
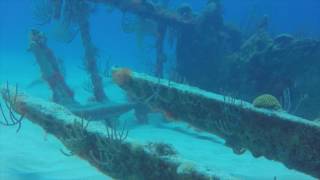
(109,150)
(276,135)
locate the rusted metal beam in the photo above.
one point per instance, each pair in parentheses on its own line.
(50,69)
(150,10)
(63,94)
(160,55)
(110,150)
(276,135)
(90,60)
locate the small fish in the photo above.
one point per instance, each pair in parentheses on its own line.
(36,82)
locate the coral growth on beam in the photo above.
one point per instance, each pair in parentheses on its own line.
(276,135)
(150,10)
(50,68)
(110,151)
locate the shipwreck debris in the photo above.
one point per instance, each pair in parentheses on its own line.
(117,156)
(64,95)
(276,135)
(50,69)
(152,11)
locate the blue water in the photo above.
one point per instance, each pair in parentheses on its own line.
(31,155)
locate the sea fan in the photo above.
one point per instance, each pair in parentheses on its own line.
(64,32)
(42,11)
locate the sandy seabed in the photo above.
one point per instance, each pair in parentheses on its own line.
(31,154)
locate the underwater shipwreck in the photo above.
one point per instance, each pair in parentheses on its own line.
(259,93)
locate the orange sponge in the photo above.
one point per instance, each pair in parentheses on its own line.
(121,76)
